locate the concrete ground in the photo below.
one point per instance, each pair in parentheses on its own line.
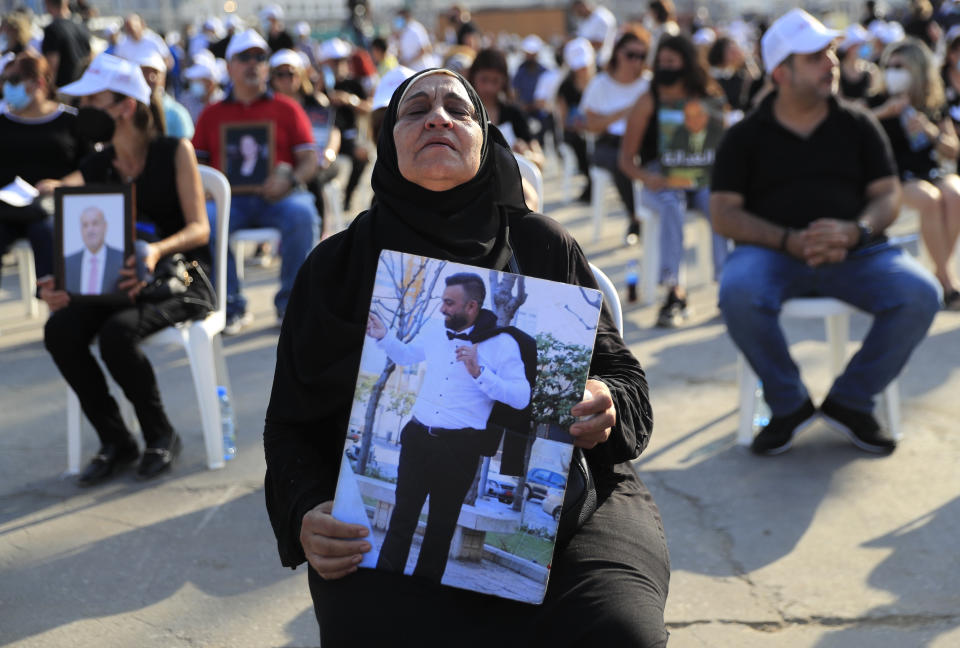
(824,546)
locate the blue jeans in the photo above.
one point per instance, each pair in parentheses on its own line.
(295,216)
(881,280)
(671,205)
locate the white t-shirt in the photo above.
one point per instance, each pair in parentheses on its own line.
(604,96)
(149,43)
(413,40)
(600,27)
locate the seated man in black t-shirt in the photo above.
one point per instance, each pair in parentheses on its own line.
(806,185)
(66,44)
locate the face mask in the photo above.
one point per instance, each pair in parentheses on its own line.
(4,44)
(198,89)
(399,23)
(897,80)
(664,77)
(865,51)
(95,124)
(329,79)
(16,95)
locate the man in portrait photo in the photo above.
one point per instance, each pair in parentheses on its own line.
(472,365)
(694,144)
(95,269)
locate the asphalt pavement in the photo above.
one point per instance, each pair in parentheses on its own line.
(824,546)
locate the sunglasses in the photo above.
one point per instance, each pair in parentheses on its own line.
(246,57)
(894,66)
(13,79)
(635,56)
(283,74)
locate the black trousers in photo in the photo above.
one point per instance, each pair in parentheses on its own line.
(441,466)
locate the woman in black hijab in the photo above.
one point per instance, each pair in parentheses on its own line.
(447,186)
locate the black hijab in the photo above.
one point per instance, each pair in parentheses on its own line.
(467,224)
(324,327)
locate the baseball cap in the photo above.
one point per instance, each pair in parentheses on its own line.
(532,44)
(795,32)
(152,60)
(854,35)
(109,72)
(704,36)
(389,84)
(286,57)
(302,28)
(271,11)
(333,49)
(247,39)
(578,53)
(203,69)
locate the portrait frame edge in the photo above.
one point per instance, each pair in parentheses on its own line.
(234,126)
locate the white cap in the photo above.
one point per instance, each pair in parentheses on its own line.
(235,22)
(795,32)
(578,53)
(173,38)
(704,36)
(108,72)
(302,28)
(152,60)
(242,41)
(214,25)
(389,84)
(271,11)
(854,35)
(952,33)
(287,57)
(111,29)
(6,60)
(334,48)
(532,44)
(203,69)
(895,33)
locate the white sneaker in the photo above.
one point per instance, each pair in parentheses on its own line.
(236,323)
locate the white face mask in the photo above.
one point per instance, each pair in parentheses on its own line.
(897,80)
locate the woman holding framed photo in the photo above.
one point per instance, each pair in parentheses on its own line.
(117,107)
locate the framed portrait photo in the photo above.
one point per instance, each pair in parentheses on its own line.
(93,235)
(247,154)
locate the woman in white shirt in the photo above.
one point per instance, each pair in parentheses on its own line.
(607,101)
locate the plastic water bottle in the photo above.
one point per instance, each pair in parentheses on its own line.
(761,411)
(632,278)
(226,422)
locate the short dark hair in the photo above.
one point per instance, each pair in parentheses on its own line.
(379,43)
(490,59)
(472,285)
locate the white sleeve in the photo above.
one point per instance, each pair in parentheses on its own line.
(403,354)
(504,379)
(592,98)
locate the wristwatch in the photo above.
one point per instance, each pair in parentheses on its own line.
(866,234)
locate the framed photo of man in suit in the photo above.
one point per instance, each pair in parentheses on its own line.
(248,154)
(94,228)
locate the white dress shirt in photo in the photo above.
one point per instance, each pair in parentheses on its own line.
(449,396)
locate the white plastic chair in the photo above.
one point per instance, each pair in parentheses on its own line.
(836,317)
(28,277)
(600,179)
(530,173)
(200,340)
(650,268)
(610,295)
(569,159)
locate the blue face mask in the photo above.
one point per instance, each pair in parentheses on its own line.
(865,51)
(399,23)
(16,95)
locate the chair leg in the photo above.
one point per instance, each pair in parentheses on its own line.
(891,409)
(73,433)
(598,179)
(203,366)
(650,272)
(748,404)
(838,333)
(28,279)
(239,254)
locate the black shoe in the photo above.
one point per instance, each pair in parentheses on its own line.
(587,196)
(158,459)
(673,313)
(861,428)
(778,434)
(632,237)
(109,461)
(951,301)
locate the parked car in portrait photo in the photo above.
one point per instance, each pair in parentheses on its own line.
(501,488)
(540,481)
(553,504)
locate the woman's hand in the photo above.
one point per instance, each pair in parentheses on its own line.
(598,405)
(892,107)
(129,282)
(46,187)
(654,181)
(55,299)
(333,548)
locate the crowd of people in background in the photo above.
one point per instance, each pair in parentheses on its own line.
(646,97)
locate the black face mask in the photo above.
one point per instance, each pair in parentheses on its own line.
(664,77)
(95,124)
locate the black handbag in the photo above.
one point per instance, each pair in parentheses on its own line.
(174,276)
